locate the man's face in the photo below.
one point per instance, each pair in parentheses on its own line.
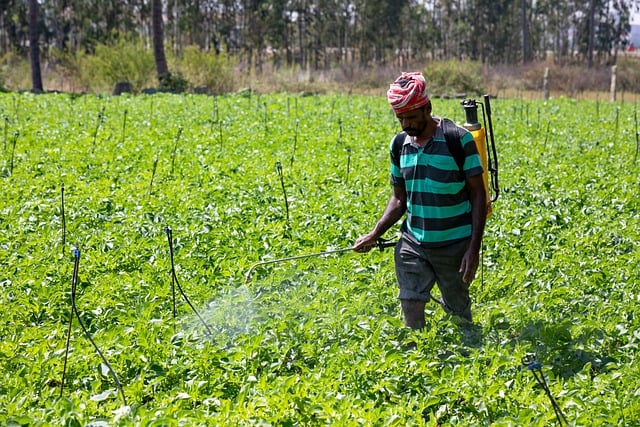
(413,122)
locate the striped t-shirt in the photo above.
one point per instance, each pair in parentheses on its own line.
(438,204)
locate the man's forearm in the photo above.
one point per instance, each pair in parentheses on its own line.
(478,219)
(392,214)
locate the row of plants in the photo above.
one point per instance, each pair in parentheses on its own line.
(242,179)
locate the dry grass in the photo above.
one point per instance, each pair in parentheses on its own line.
(512,81)
(505,81)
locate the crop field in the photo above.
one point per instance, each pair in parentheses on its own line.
(128,227)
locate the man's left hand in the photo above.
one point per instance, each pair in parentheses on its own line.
(469,265)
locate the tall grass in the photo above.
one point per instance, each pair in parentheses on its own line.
(208,72)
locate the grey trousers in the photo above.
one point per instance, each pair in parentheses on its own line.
(418,269)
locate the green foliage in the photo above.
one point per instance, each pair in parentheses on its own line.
(173,82)
(69,68)
(207,69)
(15,72)
(3,67)
(628,74)
(329,32)
(318,340)
(121,61)
(454,77)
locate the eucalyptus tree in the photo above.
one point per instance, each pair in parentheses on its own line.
(613,26)
(321,40)
(621,27)
(301,20)
(527,54)
(72,25)
(378,28)
(34,49)
(455,29)
(323,33)
(255,18)
(413,31)
(192,23)
(226,14)
(279,36)
(162,68)
(600,26)
(195,23)
(14,28)
(433,34)
(591,30)
(347,29)
(553,20)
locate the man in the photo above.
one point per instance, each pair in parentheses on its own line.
(445,208)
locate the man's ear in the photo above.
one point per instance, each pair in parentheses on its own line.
(427,108)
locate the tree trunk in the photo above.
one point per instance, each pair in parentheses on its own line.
(158,40)
(526,47)
(34,50)
(592,32)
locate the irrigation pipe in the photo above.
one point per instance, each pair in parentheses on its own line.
(635,157)
(74,310)
(64,222)
(530,361)
(175,282)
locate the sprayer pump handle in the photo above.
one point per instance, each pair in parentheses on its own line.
(382,244)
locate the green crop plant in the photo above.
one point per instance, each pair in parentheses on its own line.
(317,340)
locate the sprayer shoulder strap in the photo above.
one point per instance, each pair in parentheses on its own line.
(396,150)
(453,136)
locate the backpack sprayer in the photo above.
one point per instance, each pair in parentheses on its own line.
(486,145)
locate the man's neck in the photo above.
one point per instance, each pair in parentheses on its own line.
(424,138)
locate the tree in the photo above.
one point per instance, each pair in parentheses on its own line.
(34,50)
(317,34)
(526,46)
(592,32)
(162,68)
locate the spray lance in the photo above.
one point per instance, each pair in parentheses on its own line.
(380,244)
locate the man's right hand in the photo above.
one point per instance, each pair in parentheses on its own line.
(365,243)
(396,207)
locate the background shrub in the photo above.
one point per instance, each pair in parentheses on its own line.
(173,82)
(454,77)
(208,72)
(206,69)
(120,61)
(14,72)
(628,75)
(68,70)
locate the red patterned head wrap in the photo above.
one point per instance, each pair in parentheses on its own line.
(408,92)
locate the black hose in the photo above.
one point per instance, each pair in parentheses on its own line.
(174,279)
(74,310)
